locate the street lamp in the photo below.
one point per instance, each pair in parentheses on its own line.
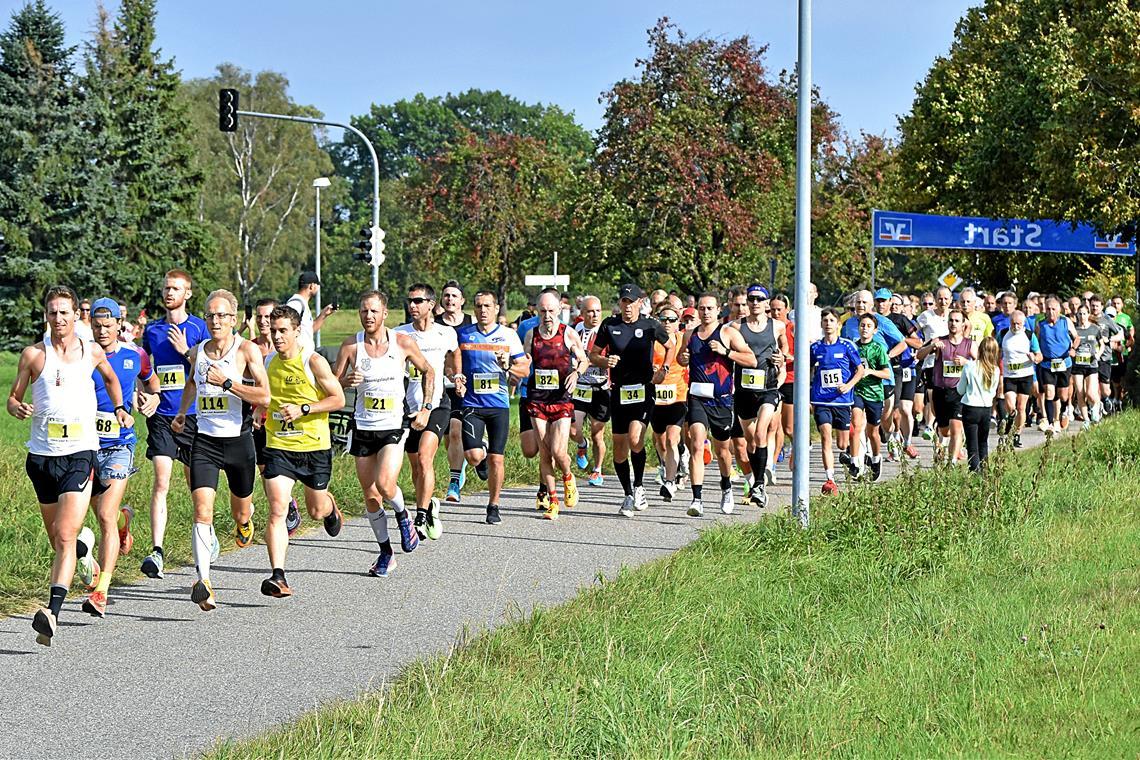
(318,183)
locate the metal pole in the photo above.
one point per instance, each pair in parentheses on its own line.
(317,225)
(371,151)
(872,267)
(801,483)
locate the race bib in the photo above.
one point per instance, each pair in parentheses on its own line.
(211,406)
(60,431)
(486,383)
(631,394)
(830,378)
(171,377)
(1016,366)
(907,374)
(665,394)
(583,393)
(1057,365)
(701,390)
(377,403)
(546,379)
(1085,360)
(414,375)
(752,379)
(950,369)
(283,428)
(107,425)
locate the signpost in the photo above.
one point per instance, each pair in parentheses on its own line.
(554,280)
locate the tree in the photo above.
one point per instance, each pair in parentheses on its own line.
(702,149)
(257,194)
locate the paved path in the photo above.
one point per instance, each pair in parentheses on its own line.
(160,678)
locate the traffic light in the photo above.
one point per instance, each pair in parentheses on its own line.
(228,110)
(370,253)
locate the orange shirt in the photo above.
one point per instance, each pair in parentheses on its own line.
(674,389)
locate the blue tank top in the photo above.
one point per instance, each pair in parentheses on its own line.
(1055,340)
(707,366)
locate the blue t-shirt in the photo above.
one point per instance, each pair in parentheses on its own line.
(129,363)
(1055,340)
(832,365)
(526,326)
(887,336)
(171,367)
(1000,322)
(486,379)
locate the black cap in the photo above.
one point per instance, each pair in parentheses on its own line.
(630,291)
(308,278)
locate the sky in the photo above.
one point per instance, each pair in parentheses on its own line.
(342,56)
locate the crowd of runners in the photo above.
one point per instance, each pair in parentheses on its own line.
(698,379)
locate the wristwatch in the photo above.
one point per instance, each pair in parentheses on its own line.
(120,406)
(428,406)
(304,410)
(227,385)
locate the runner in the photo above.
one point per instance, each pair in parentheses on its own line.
(978,386)
(624,345)
(303,390)
(491,353)
(227,380)
(670,404)
(439,345)
(932,324)
(374,362)
(710,351)
(308,285)
(591,398)
(836,368)
(978,323)
(1120,356)
(950,355)
(1086,387)
(528,438)
(1020,353)
(903,370)
(168,341)
(886,335)
(867,409)
(783,436)
(1111,340)
(557,361)
(61,457)
(1058,342)
(454,317)
(115,458)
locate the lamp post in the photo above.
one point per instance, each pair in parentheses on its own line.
(800,476)
(318,183)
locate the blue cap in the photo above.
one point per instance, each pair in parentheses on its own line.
(106,304)
(757,290)
(883,294)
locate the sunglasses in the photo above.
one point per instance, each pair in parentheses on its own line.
(418,300)
(928,303)
(756,299)
(669,320)
(85,311)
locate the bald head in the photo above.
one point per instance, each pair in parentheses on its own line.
(864,302)
(549,307)
(591,312)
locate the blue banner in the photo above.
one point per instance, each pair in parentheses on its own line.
(897,229)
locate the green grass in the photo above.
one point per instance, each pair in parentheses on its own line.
(937,615)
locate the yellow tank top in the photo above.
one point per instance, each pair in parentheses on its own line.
(291,382)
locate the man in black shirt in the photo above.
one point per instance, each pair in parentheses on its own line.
(625,346)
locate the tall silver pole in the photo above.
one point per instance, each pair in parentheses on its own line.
(317,225)
(801,482)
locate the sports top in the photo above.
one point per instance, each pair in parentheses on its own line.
(525,326)
(1088,348)
(598,377)
(64,399)
(221,414)
(171,366)
(763,345)
(130,363)
(435,344)
(633,342)
(454,328)
(887,336)
(710,374)
(1055,343)
(380,397)
(946,371)
(1017,349)
(931,326)
(486,379)
(551,363)
(291,381)
(674,387)
(870,388)
(832,365)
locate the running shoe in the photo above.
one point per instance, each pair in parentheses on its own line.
(243,534)
(481,468)
(1059,426)
(785,452)
(660,474)
(640,503)
(758,496)
(696,508)
(420,524)
(551,512)
(844,459)
(493,514)
(1017,441)
(668,490)
(1043,425)
(726,505)
(152,565)
(292,517)
(408,538)
(95,604)
(215,549)
(462,475)
(769,476)
(570,491)
(708,453)
(87,566)
(829,488)
(276,588)
(44,624)
(912,452)
(434,522)
(737,475)
(126,540)
(542,500)
(335,520)
(203,596)
(596,479)
(382,567)
(626,509)
(927,433)
(452,493)
(876,470)
(581,459)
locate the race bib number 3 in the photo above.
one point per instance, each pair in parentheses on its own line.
(107,425)
(950,369)
(209,406)
(546,379)
(830,378)
(379,403)
(171,377)
(665,394)
(486,383)
(63,430)
(752,379)
(631,394)
(583,393)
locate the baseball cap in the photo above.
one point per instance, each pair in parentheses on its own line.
(757,290)
(109,305)
(1110,311)
(629,291)
(308,278)
(883,294)
(688,312)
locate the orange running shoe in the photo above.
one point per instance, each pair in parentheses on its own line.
(126,540)
(570,490)
(96,604)
(551,512)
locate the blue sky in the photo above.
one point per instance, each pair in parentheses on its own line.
(341,56)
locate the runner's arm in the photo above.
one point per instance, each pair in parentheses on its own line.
(327,382)
(258,393)
(190,390)
(344,357)
(16,406)
(420,362)
(737,350)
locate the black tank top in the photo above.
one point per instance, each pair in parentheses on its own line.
(762,345)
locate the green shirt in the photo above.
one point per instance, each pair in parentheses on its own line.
(1124,321)
(874,357)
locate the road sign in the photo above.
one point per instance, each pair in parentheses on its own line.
(950,279)
(547,280)
(897,229)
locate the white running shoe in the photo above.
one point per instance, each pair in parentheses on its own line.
(660,474)
(726,504)
(769,476)
(640,503)
(626,507)
(86,565)
(696,508)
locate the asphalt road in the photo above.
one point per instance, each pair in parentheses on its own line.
(160,678)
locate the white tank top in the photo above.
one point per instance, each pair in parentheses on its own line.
(220,413)
(434,343)
(1016,359)
(64,399)
(380,398)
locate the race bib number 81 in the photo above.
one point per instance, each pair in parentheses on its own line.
(486,383)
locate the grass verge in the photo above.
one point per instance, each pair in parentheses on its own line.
(937,615)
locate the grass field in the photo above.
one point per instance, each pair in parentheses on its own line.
(937,615)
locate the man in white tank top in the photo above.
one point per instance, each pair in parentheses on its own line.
(61,450)
(440,346)
(373,362)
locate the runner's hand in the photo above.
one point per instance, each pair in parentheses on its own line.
(125,418)
(659,376)
(460,385)
(177,340)
(571,381)
(178,423)
(420,419)
(356,378)
(146,403)
(216,376)
(612,360)
(960,361)
(22,411)
(717,347)
(778,359)
(504,359)
(937,343)
(290,412)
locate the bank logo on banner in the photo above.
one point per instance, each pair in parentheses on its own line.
(894,228)
(1110,243)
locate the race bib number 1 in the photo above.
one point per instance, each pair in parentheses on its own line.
(63,430)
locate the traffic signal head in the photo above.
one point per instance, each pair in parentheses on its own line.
(370,252)
(228,110)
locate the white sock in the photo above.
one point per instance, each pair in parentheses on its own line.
(874,459)
(830,474)
(379,522)
(202,540)
(397,502)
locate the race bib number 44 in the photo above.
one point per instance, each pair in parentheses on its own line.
(171,377)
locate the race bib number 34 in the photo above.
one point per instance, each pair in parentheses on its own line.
(631,394)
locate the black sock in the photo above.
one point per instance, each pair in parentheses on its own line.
(1050,410)
(697,491)
(55,600)
(726,481)
(638,459)
(455,476)
(542,489)
(622,470)
(158,551)
(386,547)
(759,461)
